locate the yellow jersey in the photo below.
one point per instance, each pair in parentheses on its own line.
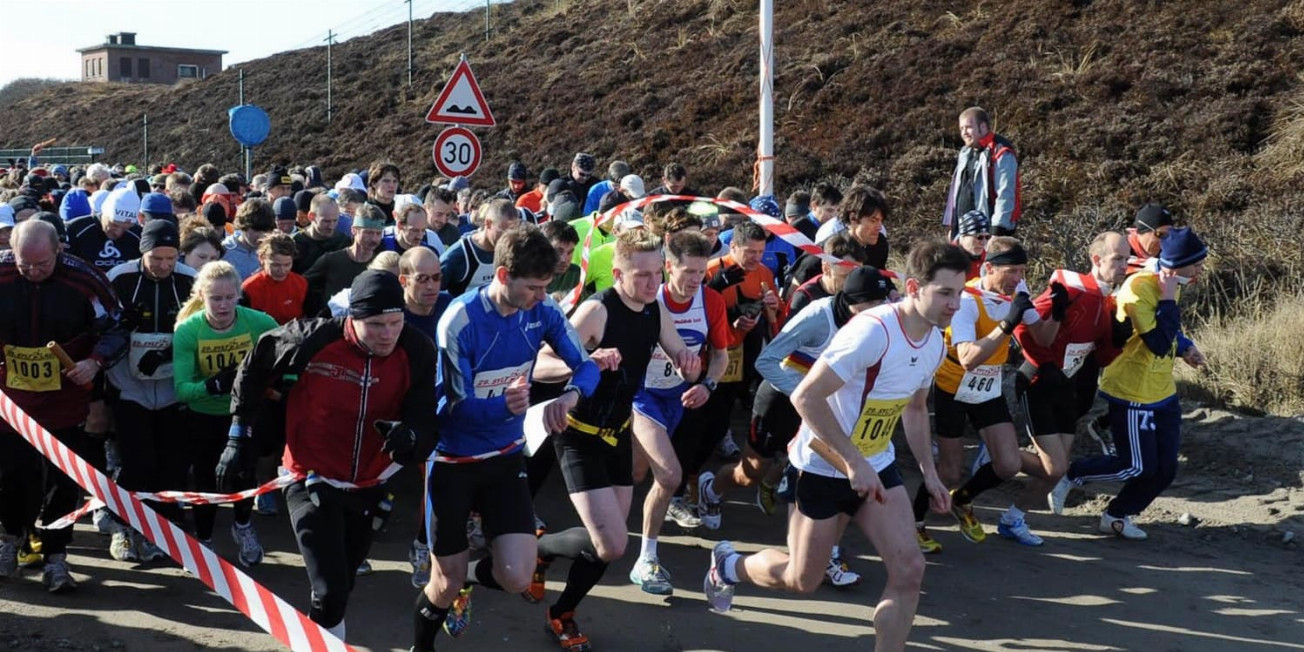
(1137,375)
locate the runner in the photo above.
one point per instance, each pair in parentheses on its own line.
(112,238)
(488,341)
(362,401)
(875,372)
(972,235)
(1152,225)
(213,335)
(698,313)
(1144,410)
(148,416)
(968,386)
(782,365)
(831,277)
(65,300)
(470,263)
(1056,384)
(621,326)
(319,237)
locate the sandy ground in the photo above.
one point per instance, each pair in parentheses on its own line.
(1227,581)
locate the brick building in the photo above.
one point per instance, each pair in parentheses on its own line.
(119,59)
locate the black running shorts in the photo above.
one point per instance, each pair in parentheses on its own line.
(774,422)
(949,414)
(588,462)
(1055,409)
(820,496)
(496,488)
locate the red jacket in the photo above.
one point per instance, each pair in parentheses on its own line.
(283,300)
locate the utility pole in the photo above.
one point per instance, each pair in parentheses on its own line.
(145,127)
(765,148)
(330,38)
(409,4)
(244,151)
(486,20)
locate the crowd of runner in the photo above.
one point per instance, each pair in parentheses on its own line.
(197,330)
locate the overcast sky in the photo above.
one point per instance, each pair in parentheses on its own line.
(42,39)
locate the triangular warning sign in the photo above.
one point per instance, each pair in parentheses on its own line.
(461,101)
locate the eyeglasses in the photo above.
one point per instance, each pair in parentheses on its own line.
(982,236)
(422,279)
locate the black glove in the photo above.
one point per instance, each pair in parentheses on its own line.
(1059,301)
(152,360)
(1121,331)
(221,383)
(1000,230)
(236,466)
(400,441)
(1022,303)
(726,277)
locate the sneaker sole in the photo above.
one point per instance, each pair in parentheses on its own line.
(579,647)
(651,589)
(1015,538)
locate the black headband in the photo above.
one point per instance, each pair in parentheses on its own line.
(1015,256)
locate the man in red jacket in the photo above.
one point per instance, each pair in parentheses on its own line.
(365,398)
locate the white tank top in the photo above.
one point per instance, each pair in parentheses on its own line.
(692,327)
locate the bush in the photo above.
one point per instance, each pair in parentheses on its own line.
(20,89)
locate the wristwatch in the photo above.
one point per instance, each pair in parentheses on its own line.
(709,384)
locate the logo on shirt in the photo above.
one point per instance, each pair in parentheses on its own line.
(340,372)
(534,324)
(109,251)
(914,359)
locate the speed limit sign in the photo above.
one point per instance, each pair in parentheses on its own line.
(456,152)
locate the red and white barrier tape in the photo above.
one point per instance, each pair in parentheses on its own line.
(787,232)
(266,609)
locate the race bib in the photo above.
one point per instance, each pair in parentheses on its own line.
(216,355)
(1074,356)
(493,382)
(32,369)
(733,373)
(878,419)
(661,372)
(150,356)
(980,385)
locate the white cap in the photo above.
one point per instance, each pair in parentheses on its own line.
(630,218)
(217,189)
(6,217)
(351,180)
(123,205)
(401,202)
(97,200)
(632,184)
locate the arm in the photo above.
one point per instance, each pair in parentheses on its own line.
(973,354)
(808,328)
(1006,171)
(185,374)
(1167,324)
(914,421)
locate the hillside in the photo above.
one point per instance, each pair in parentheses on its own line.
(1110,103)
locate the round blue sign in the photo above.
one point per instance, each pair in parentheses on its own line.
(249,124)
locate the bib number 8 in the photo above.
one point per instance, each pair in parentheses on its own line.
(670,369)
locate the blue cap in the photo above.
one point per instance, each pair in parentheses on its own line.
(61,170)
(156,204)
(767,205)
(285,208)
(1181,248)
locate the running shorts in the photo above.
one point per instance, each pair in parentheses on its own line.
(949,414)
(587,462)
(820,497)
(665,408)
(774,422)
(496,488)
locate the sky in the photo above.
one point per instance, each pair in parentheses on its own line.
(246,29)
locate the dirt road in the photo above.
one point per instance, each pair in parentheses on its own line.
(1228,582)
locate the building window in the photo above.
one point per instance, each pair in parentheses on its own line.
(188,72)
(87,65)
(142,68)
(124,67)
(99,67)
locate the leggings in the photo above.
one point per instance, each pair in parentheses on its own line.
(208,434)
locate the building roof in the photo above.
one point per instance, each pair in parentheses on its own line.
(146,48)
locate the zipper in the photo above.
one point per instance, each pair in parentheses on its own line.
(362,417)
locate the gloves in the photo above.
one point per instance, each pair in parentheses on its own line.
(222,382)
(1022,303)
(1059,301)
(236,466)
(1121,331)
(152,360)
(726,277)
(400,441)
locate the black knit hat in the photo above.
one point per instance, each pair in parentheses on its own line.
(375,292)
(159,233)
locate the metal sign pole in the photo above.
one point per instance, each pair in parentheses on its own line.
(409,4)
(244,151)
(330,37)
(765,151)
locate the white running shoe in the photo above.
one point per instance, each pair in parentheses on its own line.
(682,515)
(719,592)
(648,575)
(56,576)
(1018,531)
(121,546)
(839,574)
(1059,494)
(419,557)
(1121,527)
(251,551)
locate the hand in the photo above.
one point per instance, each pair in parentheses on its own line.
(938,496)
(152,360)
(864,480)
(83,372)
(1167,284)
(518,396)
(36,149)
(221,383)
(726,277)
(745,324)
(554,414)
(236,466)
(770,299)
(1059,301)
(1194,356)
(1022,303)
(689,364)
(400,441)
(606,359)
(695,397)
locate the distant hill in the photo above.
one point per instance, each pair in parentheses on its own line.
(1111,104)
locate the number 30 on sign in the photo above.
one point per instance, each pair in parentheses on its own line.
(456,152)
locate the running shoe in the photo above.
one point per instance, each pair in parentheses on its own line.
(459,614)
(980,459)
(102,519)
(538,583)
(121,547)
(29,554)
(927,544)
(1121,527)
(728,448)
(146,551)
(475,533)
(1059,495)
(719,591)
(682,515)
(8,556)
(839,573)
(567,634)
(1018,531)
(419,557)
(1098,428)
(969,525)
(766,497)
(251,551)
(265,504)
(707,507)
(649,576)
(56,576)
(365,568)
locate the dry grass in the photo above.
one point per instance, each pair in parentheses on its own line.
(1256,360)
